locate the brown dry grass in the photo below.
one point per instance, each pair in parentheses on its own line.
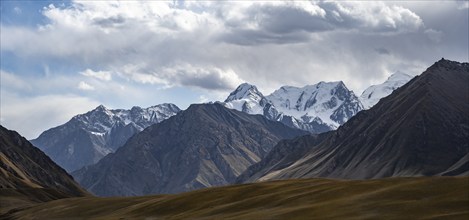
(391,198)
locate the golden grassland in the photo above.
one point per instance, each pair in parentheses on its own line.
(390,198)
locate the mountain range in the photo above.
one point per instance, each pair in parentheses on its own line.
(87,138)
(316,108)
(421,129)
(204,145)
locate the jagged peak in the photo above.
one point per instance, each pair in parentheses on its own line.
(101,108)
(121,114)
(166,105)
(246,85)
(242,91)
(329,85)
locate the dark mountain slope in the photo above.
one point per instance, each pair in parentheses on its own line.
(27,174)
(421,129)
(205,145)
(284,154)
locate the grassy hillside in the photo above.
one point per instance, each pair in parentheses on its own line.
(393,198)
(26,197)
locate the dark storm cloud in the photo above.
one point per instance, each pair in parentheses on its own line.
(284,23)
(285,20)
(209,78)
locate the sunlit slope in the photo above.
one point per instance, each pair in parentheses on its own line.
(28,176)
(393,198)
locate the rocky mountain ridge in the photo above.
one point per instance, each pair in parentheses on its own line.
(316,108)
(88,137)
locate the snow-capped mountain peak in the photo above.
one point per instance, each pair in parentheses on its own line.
(374,93)
(323,101)
(318,108)
(247,98)
(101,108)
(245,91)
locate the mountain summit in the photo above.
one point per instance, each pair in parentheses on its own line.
(88,137)
(247,98)
(421,129)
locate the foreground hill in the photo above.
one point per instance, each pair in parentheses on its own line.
(392,198)
(205,145)
(28,175)
(421,129)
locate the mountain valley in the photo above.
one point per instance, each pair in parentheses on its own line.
(407,155)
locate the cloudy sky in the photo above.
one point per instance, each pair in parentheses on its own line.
(62,58)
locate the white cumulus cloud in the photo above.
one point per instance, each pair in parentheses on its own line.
(211,45)
(85,86)
(102,75)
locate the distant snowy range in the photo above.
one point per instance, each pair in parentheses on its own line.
(316,108)
(321,107)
